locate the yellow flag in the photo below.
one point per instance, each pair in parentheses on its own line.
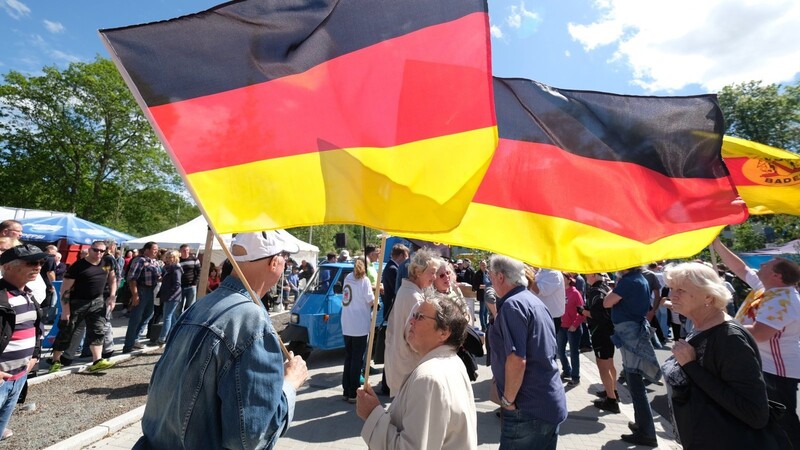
(767,178)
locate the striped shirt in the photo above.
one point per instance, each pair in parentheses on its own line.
(778,308)
(19,351)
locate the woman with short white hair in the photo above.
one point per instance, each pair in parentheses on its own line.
(716,388)
(400,360)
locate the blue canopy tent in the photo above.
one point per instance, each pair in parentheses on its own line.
(790,250)
(70,228)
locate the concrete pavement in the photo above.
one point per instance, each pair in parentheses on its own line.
(323,421)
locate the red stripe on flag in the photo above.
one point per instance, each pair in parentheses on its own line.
(735,167)
(368,98)
(619,197)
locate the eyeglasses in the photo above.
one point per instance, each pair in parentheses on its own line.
(444,275)
(35,263)
(420,316)
(97,250)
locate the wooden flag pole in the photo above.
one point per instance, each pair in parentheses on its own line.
(252,293)
(376,301)
(202,284)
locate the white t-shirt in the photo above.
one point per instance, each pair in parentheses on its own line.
(551,291)
(779,308)
(356,311)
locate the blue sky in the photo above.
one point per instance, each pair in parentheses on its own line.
(677,47)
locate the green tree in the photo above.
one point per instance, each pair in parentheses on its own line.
(81,144)
(768,114)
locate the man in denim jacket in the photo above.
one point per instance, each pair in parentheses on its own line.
(222,381)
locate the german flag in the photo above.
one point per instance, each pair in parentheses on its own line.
(768,178)
(288,113)
(589,181)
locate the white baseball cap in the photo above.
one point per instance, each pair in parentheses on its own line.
(261,245)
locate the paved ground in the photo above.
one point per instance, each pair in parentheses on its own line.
(324,421)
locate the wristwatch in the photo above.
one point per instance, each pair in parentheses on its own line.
(505,403)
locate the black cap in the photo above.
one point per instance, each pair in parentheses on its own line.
(25,252)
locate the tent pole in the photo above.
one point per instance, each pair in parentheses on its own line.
(205,269)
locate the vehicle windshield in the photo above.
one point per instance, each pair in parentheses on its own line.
(321,280)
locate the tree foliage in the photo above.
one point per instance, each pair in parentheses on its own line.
(75,140)
(324,237)
(768,114)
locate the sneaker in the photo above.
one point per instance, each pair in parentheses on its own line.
(574,382)
(7,433)
(565,375)
(101,364)
(633,427)
(55,367)
(107,355)
(639,439)
(351,399)
(607,404)
(138,346)
(65,361)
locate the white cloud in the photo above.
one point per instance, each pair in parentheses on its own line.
(520,15)
(15,8)
(713,43)
(567,53)
(53,27)
(496,31)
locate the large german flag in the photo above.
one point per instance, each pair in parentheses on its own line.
(768,178)
(589,181)
(289,113)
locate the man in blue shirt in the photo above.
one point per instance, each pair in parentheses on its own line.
(222,381)
(523,346)
(630,303)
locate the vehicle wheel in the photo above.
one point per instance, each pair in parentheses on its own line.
(300,349)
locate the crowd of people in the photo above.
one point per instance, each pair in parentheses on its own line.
(225,379)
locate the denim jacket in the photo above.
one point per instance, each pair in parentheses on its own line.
(220,382)
(633,338)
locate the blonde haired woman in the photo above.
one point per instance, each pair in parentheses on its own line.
(400,358)
(170,292)
(357,298)
(717,391)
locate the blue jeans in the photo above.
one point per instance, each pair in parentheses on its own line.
(574,337)
(188,294)
(520,430)
(9,393)
(483,314)
(354,348)
(642,413)
(171,313)
(139,316)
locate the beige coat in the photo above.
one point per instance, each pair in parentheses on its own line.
(435,409)
(400,360)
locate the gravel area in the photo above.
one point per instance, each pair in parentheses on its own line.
(70,405)
(75,403)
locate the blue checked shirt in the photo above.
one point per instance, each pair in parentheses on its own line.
(144,271)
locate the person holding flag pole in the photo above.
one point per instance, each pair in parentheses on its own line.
(225,379)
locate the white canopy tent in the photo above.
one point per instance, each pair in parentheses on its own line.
(195,231)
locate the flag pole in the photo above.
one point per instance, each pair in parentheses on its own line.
(375,302)
(250,290)
(202,284)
